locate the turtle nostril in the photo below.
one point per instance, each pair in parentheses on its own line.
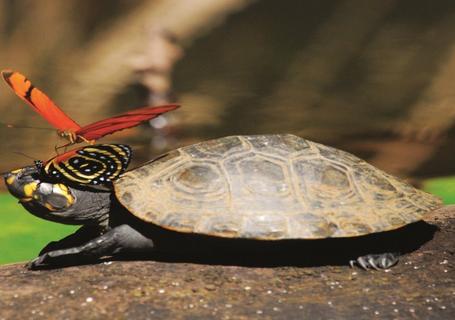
(8,177)
(5,175)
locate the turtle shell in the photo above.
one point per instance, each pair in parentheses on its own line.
(269,187)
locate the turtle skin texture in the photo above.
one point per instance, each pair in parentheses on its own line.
(269,187)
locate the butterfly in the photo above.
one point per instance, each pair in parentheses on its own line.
(67,127)
(95,165)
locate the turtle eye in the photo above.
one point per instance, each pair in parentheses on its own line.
(56,202)
(45,188)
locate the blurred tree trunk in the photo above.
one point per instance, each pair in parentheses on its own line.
(306,85)
(113,58)
(423,130)
(434,113)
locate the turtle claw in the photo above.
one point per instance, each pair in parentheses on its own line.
(38,262)
(47,260)
(375,261)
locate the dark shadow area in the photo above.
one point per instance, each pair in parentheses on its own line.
(302,253)
(199,249)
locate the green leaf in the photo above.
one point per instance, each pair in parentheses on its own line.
(24,235)
(443,187)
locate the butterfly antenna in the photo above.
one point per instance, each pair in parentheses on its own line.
(14,126)
(57,148)
(4,174)
(24,155)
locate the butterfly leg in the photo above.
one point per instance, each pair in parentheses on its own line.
(60,147)
(120,240)
(91,142)
(57,148)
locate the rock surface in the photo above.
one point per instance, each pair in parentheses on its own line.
(422,286)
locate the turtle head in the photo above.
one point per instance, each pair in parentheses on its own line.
(56,201)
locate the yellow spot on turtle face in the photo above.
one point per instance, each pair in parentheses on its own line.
(49,207)
(64,191)
(10,180)
(16,171)
(62,187)
(30,188)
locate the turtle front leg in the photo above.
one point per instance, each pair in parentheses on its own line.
(376,261)
(122,239)
(81,236)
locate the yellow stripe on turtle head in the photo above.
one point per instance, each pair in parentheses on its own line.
(10,180)
(12,176)
(30,188)
(64,191)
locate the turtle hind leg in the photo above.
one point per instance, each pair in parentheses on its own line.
(376,261)
(121,240)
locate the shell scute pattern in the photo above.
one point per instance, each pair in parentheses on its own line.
(183,222)
(283,145)
(337,155)
(260,184)
(216,149)
(263,176)
(266,226)
(309,226)
(222,225)
(269,187)
(375,187)
(198,179)
(324,184)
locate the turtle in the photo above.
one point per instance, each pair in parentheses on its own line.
(261,188)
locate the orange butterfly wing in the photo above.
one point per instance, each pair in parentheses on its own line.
(39,101)
(122,121)
(44,106)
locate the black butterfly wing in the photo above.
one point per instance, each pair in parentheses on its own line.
(90,165)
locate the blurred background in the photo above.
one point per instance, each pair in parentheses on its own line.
(376,78)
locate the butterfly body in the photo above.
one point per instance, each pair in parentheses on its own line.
(71,136)
(67,127)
